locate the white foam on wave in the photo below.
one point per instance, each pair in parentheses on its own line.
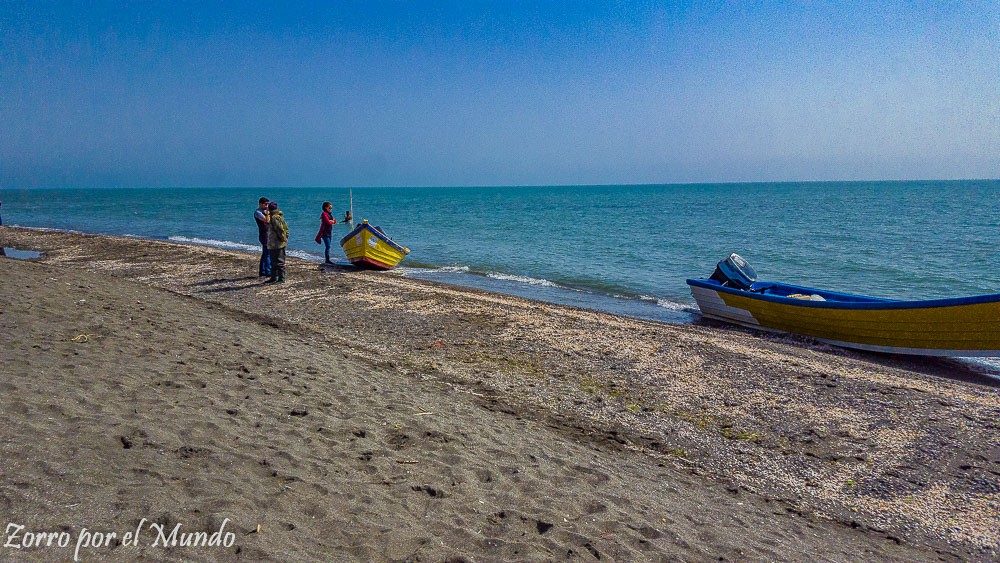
(670,305)
(458,269)
(405,271)
(48,229)
(305,255)
(522,279)
(230,245)
(431,270)
(216,243)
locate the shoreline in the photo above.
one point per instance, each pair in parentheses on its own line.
(624,303)
(969,369)
(861,446)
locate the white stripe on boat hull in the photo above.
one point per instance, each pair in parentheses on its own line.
(713,306)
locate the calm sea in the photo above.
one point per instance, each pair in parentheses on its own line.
(624,249)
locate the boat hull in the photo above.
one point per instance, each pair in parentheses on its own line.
(368,247)
(943,327)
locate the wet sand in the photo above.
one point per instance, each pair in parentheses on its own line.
(363,415)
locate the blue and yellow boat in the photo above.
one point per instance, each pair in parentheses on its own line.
(368,247)
(966,326)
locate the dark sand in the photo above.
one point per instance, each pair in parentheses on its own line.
(360,415)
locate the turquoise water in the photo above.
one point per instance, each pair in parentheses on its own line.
(625,249)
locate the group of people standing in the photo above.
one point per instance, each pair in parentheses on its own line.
(272,232)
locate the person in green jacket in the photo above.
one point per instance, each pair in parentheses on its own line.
(277,240)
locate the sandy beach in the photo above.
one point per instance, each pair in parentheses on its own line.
(366,416)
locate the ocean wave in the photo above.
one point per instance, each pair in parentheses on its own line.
(216,243)
(458,269)
(419,268)
(230,245)
(304,255)
(48,229)
(431,270)
(522,279)
(670,305)
(407,270)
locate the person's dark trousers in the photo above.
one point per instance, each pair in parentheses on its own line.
(264,269)
(327,240)
(277,264)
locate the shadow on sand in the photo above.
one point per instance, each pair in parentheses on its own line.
(239,284)
(946,368)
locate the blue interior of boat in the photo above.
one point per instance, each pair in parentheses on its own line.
(784,290)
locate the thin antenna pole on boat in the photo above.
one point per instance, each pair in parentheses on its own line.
(351,193)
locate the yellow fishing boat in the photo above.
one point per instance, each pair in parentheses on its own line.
(368,247)
(964,326)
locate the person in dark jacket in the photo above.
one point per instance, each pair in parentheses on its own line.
(261,217)
(325,234)
(277,240)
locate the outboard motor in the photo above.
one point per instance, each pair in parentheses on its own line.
(735,272)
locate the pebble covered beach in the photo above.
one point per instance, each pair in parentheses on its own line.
(369,416)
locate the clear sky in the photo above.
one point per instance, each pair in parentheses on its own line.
(400,93)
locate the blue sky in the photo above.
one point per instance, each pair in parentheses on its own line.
(495,93)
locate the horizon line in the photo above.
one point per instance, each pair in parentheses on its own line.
(477,186)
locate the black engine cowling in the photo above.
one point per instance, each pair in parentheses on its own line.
(734,272)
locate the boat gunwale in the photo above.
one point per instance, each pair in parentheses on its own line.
(855,302)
